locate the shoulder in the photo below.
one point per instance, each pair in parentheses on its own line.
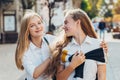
(95,41)
(49,37)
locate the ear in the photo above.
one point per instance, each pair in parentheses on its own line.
(78,22)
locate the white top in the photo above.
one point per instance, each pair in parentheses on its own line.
(35,56)
(90,67)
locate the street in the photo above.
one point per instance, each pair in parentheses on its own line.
(113,65)
(9,71)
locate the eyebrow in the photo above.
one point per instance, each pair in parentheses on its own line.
(31,24)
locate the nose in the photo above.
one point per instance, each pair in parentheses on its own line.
(63,27)
(40,27)
(37,26)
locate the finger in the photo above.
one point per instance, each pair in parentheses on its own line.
(103,43)
(76,53)
(81,53)
(83,59)
(104,46)
(106,50)
(83,56)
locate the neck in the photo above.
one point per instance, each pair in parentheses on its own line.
(80,37)
(37,41)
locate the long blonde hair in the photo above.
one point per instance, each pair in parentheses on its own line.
(87,28)
(23,38)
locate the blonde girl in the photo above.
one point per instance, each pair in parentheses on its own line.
(32,51)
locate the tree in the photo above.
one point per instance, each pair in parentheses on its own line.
(117,7)
(85,5)
(27,4)
(91,7)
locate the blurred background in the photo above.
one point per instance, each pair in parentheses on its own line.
(52,12)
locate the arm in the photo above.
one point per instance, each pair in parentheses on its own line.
(104,45)
(102,72)
(105,48)
(41,68)
(64,73)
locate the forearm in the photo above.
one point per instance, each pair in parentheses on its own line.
(41,68)
(64,74)
(102,72)
(77,60)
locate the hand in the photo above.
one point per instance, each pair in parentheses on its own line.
(104,45)
(77,59)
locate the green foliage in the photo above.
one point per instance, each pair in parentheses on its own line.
(91,14)
(87,7)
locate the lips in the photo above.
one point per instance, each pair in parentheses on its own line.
(66,30)
(38,31)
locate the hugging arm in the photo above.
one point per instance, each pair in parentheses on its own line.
(41,68)
(64,72)
(34,71)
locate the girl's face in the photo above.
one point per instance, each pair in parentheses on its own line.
(70,26)
(36,27)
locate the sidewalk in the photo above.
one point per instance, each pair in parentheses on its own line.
(113,65)
(8,69)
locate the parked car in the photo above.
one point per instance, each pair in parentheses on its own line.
(116,30)
(116,27)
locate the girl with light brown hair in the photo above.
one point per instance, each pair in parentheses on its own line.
(32,51)
(80,38)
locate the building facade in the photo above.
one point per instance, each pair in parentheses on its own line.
(9,20)
(11,12)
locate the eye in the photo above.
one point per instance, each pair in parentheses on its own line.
(39,22)
(65,22)
(31,26)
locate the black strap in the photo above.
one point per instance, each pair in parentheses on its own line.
(97,54)
(54,77)
(46,40)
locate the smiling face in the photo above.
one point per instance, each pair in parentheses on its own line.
(70,26)
(35,27)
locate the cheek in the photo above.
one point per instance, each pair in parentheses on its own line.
(31,32)
(70,28)
(42,28)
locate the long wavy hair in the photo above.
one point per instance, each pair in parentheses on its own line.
(87,27)
(23,38)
